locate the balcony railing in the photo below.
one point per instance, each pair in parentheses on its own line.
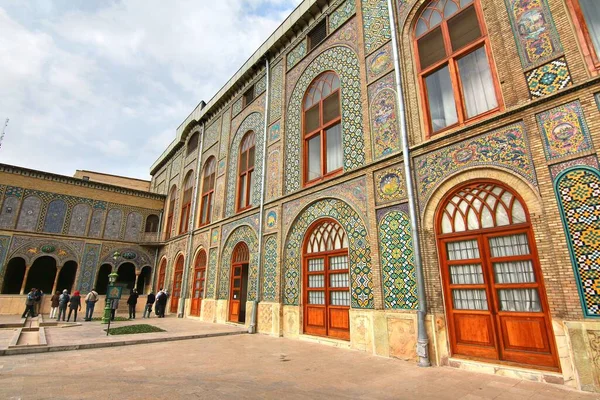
(153,237)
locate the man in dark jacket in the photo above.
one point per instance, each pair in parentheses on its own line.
(29,304)
(132,302)
(149,303)
(161,303)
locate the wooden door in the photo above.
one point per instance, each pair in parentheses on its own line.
(326,282)
(497,307)
(162,273)
(177,279)
(198,283)
(238,283)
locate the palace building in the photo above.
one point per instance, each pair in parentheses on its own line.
(411,178)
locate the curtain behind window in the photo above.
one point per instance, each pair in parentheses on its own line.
(591,13)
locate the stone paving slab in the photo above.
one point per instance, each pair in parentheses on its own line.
(250,367)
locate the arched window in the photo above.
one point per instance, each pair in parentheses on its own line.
(186,203)
(246,171)
(496,300)
(171,212)
(193,143)
(198,282)
(323,155)
(208,189)
(453,50)
(162,273)
(152,223)
(326,281)
(587,20)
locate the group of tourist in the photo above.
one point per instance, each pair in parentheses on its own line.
(33,302)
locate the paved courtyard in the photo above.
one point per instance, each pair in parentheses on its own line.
(248,367)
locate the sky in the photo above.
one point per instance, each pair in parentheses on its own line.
(102,85)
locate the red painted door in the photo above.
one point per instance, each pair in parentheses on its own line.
(177,279)
(198,283)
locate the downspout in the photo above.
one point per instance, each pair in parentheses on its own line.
(253,323)
(191,223)
(422,339)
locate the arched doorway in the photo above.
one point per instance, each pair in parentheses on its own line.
(66,276)
(102,278)
(177,279)
(198,283)
(41,275)
(127,276)
(162,273)
(495,297)
(238,290)
(13,278)
(144,282)
(326,281)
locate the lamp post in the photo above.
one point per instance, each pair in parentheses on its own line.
(112,278)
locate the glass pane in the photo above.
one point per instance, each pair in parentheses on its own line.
(431,48)
(465,250)
(314,157)
(334,148)
(466,299)
(236,283)
(450,9)
(339,298)
(242,198)
(316,264)
(339,280)
(243,161)
(514,272)
(250,186)
(464,28)
(251,157)
(591,14)
(312,119)
(440,96)
(508,246)
(331,107)
(520,300)
(466,274)
(204,209)
(477,83)
(316,297)
(518,213)
(338,262)
(316,281)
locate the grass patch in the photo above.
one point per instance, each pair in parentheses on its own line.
(117,319)
(133,329)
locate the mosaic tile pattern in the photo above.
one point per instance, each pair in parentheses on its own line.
(211,274)
(590,161)
(276,88)
(214,237)
(30,249)
(133,227)
(8,214)
(549,78)
(96,224)
(79,219)
(376,22)
(4,246)
(385,136)
(254,122)
(219,197)
(361,276)
(564,131)
(341,14)
(380,63)
(505,147)
(247,235)
(274,132)
(225,128)
(344,62)
(397,261)
(251,220)
(237,107)
(390,185)
(271,219)
(260,86)
(113,224)
(129,253)
(578,193)
(269,289)
(273,184)
(30,213)
(14,191)
(296,54)
(89,264)
(212,134)
(55,216)
(534,31)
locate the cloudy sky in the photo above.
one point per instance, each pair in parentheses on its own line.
(102,85)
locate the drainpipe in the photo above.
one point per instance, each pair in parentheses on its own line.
(253,323)
(422,339)
(191,223)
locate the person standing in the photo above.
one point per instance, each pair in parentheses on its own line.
(54,304)
(114,304)
(90,303)
(161,302)
(29,304)
(149,302)
(63,301)
(132,303)
(74,304)
(38,300)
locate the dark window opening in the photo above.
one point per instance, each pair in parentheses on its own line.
(249,96)
(317,35)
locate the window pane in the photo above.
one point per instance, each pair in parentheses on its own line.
(431,48)
(251,157)
(591,14)
(338,280)
(204,209)
(334,148)
(514,272)
(311,119)
(466,299)
(250,186)
(477,83)
(338,262)
(316,297)
(465,250)
(243,161)
(464,28)
(466,274)
(316,281)
(316,264)
(508,246)
(331,107)
(314,158)
(440,96)
(520,300)
(242,200)
(340,298)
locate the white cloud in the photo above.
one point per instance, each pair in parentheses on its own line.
(104,87)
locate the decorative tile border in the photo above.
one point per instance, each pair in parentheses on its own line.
(390,185)
(341,14)
(549,78)
(296,54)
(380,62)
(376,24)
(271,260)
(383,113)
(87,275)
(590,161)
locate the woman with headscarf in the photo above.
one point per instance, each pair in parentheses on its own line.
(74,304)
